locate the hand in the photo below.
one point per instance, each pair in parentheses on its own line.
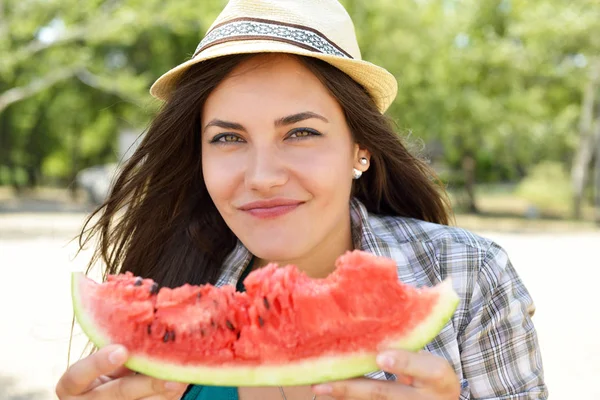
(421,376)
(103,376)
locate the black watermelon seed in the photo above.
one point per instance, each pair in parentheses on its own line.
(167,336)
(266,302)
(238,335)
(149,329)
(154,288)
(173,336)
(229,325)
(212,322)
(261,322)
(138,281)
(202,333)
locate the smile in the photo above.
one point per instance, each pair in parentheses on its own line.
(271,208)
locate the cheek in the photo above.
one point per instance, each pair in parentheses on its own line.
(326,171)
(221,177)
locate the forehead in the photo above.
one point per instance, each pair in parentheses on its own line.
(271,83)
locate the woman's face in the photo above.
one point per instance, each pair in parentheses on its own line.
(277,158)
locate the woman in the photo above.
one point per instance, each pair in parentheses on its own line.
(272,146)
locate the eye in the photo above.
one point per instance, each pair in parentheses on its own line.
(302,133)
(227,138)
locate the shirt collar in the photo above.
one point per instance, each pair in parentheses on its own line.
(363,235)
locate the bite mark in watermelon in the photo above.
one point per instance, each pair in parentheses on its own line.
(286,329)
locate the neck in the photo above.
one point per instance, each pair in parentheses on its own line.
(320,261)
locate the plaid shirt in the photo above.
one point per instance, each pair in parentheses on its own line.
(490,341)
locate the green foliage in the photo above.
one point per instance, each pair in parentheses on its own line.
(497,80)
(547,187)
(56,165)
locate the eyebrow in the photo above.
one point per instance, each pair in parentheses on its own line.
(295,118)
(289,120)
(226,125)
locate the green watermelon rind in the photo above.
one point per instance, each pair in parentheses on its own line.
(320,369)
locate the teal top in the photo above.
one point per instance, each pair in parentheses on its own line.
(197,392)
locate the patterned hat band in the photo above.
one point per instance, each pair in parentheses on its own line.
(260,29)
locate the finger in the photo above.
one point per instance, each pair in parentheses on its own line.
(84,373)
(404,379)
(157,397)
(175,390)
(166,396)
(367,389)
(135,387)
(170,395)
(425,368)
(120,372)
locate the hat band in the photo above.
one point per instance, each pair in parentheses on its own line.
(259,29)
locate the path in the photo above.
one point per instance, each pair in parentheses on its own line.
(35,255)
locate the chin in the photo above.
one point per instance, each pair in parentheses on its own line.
(276,254)
(275,243)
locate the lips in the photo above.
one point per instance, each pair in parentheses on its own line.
(271,208)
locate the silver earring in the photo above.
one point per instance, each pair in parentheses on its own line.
(357,173)
(363,161)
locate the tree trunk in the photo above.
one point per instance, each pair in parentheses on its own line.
(469,168)
(34,146)
(585,151)
(597,172)
(6,149)
(75,159)
(4,139)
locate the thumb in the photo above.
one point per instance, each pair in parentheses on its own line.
(120,372)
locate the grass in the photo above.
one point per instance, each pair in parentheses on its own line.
(41,194)
(502,209)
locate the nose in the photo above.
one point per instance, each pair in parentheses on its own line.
(265,170)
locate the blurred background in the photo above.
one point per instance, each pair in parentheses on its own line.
(502,96)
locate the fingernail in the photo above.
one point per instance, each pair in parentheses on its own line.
(172,386)
(322,389)
(385,361)
(118,356)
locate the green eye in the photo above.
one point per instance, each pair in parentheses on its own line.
(226,138)
(303,133)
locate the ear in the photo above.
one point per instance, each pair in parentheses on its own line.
(360,155)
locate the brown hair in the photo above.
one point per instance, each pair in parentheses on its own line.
(159,221)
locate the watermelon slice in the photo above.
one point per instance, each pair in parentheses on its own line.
(285,329)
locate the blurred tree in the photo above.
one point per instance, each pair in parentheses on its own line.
(495,85)
(568,42)
(491,87)
(78,73)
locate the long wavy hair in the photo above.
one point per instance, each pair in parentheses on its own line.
(159,221)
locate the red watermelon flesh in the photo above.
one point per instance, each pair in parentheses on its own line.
(285,329)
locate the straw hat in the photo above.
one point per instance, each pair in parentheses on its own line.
(315,28)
